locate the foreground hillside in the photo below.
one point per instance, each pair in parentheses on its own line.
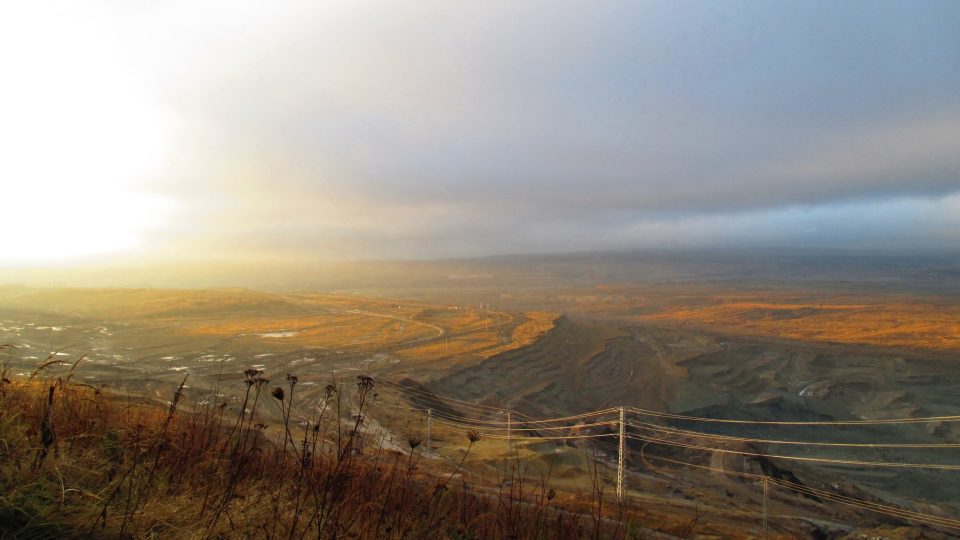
(78,461)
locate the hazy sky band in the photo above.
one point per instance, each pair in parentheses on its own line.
(430,129)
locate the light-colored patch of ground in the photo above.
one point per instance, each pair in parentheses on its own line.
(889,324)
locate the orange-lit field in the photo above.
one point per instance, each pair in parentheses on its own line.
(251,323)
(488,336)
(886,320)
(339,330)
(899,323)
(888,325)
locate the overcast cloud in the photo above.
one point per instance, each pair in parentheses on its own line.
(431,129)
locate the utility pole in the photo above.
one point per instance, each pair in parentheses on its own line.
(764,508)
(621,454)
(429,426)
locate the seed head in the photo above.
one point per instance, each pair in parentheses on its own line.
(292,379)
(551,494)
(473,435)
(364,382)
(277,393)
(414,441)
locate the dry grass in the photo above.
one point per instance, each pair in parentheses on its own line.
(77,461)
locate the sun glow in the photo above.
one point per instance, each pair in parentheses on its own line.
(79,138)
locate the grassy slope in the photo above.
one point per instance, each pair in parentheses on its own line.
(87,463)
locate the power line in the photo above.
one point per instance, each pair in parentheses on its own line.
(673,431)
(500,431)
(486,409)
(457,425)
(665,442)
(674,416)
(528,420)
(874,507)
(494,424)
(923,420)
(544,424)
(494,429)
(458,429)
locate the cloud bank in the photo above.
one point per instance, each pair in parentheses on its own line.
(434,129)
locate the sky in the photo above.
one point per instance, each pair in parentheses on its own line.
(239,131)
